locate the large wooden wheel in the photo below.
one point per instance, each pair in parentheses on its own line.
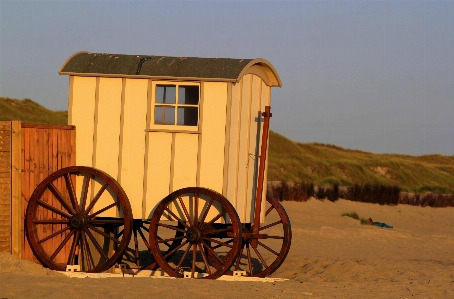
(79,216)
(273,242)
(197,231)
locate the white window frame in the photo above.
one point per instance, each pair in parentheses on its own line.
(176,127)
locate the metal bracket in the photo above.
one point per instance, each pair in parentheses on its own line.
(72,268)
(239,273)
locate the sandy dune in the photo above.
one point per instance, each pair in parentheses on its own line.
(331,257)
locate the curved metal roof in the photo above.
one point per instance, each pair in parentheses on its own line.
(165,67)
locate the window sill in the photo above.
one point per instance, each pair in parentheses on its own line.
(174,131)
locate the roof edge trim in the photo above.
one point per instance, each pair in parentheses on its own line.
(269,68)
(147,77)
(67,60)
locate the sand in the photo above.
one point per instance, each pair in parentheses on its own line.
(331,257)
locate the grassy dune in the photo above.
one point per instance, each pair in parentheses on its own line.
(323,164)
(30,112)
(315,163)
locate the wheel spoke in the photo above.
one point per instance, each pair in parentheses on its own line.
(136,247)
(270,225)
(87,252)
(237,265)
(206,211)
(72,193)
(73,249)
(212,251)
(176,217)
(53,235)
(183,257)
(85,193)
(267,248)
(214,219)
(204,258)
(218,242)
(196,208)
(218,246)
(104,234)
(185,210)
(275,237)
(175,249)
(98,247)
(95,199)
(165,243)
(144,239)
(65,240)
(53,209)
(217,231)
(106,221)
(51,221)
(269,210)
(104,209)
(172,227)
(260,257)
(144,228)
(171,239)
(120,234)
(194,259)
(249,258)
(60,198)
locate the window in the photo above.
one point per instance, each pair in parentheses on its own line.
(176,105)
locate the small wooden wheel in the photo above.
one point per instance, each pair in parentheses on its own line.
(89,226)
(200,228)
(273,243)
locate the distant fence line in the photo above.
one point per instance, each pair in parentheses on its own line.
(380,194)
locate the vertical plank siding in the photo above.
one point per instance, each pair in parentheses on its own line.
(114,118)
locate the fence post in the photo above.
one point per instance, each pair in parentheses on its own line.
(16,189)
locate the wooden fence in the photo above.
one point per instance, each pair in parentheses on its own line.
(33,152)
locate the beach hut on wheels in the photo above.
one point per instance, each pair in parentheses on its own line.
(182,136)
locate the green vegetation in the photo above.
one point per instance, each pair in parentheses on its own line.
(354,215)
(30,112)
(323,165)
(310,163)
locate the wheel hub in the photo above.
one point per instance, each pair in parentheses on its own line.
(79,221)
(194,235)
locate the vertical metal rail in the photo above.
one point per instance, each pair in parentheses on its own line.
(258,200)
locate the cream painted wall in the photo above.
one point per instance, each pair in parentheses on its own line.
(132,141)
(107,134)
(213,136)
(157,170)
(111,116)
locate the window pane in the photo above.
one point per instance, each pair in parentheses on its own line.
(165,94)
(188,95)
(187,116)
(164,115)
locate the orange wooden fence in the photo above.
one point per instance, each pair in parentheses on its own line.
(45,149)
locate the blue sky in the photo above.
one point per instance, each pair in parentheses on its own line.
(371,75)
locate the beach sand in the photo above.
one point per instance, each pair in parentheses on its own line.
(331,257)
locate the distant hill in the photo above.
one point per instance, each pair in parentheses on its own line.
(30,112)
(323,164)
(320,164)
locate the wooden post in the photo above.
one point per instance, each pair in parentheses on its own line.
(16,189)
(5,186)
(258,200)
